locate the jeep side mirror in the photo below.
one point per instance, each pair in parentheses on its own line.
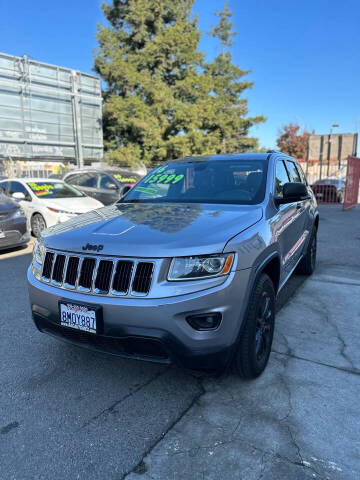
(293,192)
(111,186)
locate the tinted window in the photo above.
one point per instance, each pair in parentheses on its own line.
(4,186)
(83,180)
(19,187)
(293,172)
(281,177)
(105,180)
(50,189)
(88,180)
(72,179)
(302,174)
(217,181)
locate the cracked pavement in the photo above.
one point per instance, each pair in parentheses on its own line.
(70,413)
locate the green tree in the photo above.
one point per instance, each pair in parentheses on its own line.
(230,110)
(161,100)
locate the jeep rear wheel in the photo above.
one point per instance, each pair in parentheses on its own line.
(253,350)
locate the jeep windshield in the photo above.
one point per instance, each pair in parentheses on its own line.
(213,181)
(50,189)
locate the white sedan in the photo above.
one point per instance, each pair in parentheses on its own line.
(47,202)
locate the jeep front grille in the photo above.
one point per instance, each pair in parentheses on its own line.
(143,276)
(98,275)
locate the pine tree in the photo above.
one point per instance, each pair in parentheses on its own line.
(161,101)
(155,95)
(230,110)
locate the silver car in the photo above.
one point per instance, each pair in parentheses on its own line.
(185,268)
(13,224)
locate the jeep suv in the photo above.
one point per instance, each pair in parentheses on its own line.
(185,268)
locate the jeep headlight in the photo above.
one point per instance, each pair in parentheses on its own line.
(39,251)
(204,266)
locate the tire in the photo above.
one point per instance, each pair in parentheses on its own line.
(308,262)
(254,347)
(37,224)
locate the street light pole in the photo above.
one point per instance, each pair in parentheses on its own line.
(334,125)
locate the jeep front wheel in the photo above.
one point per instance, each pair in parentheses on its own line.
(253,350)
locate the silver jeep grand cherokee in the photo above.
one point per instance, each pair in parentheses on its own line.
(185,268)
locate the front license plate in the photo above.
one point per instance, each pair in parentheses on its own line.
(80,317)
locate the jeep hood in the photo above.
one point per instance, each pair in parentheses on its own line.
(153,230)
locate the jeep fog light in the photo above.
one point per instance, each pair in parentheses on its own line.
(205,321)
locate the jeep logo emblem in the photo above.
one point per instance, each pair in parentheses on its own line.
(95,248)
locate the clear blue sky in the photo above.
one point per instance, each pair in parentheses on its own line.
(304,54)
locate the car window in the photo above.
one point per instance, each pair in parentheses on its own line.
(86,180)
(72,179)
(240,182)
(90,180)
(4,186)
(105,180)
(281,177)
(301,173)
(19,187)
(293,172)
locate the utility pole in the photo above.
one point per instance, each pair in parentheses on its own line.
(77,120)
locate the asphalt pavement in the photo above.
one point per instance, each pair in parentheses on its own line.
(70,413)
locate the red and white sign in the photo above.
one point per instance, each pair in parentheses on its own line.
(352,183)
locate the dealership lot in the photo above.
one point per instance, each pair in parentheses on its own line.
(71,413)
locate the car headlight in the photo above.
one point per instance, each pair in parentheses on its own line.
(19,213)
(204,266)
(39,251)
(55,210)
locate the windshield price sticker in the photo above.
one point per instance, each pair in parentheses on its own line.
(41,189)
(122,179)
(164,178)
(149,191)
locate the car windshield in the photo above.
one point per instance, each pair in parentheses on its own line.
(203,181)
(48,189)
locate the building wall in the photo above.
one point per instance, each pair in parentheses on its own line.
(48,112)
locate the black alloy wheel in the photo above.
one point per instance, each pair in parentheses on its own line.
(254,347)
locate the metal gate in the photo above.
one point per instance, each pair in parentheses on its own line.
(352,183)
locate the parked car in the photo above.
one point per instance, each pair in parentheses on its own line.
(329,190)
(13,224)
(105,185)
(48,202)
(185,268)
